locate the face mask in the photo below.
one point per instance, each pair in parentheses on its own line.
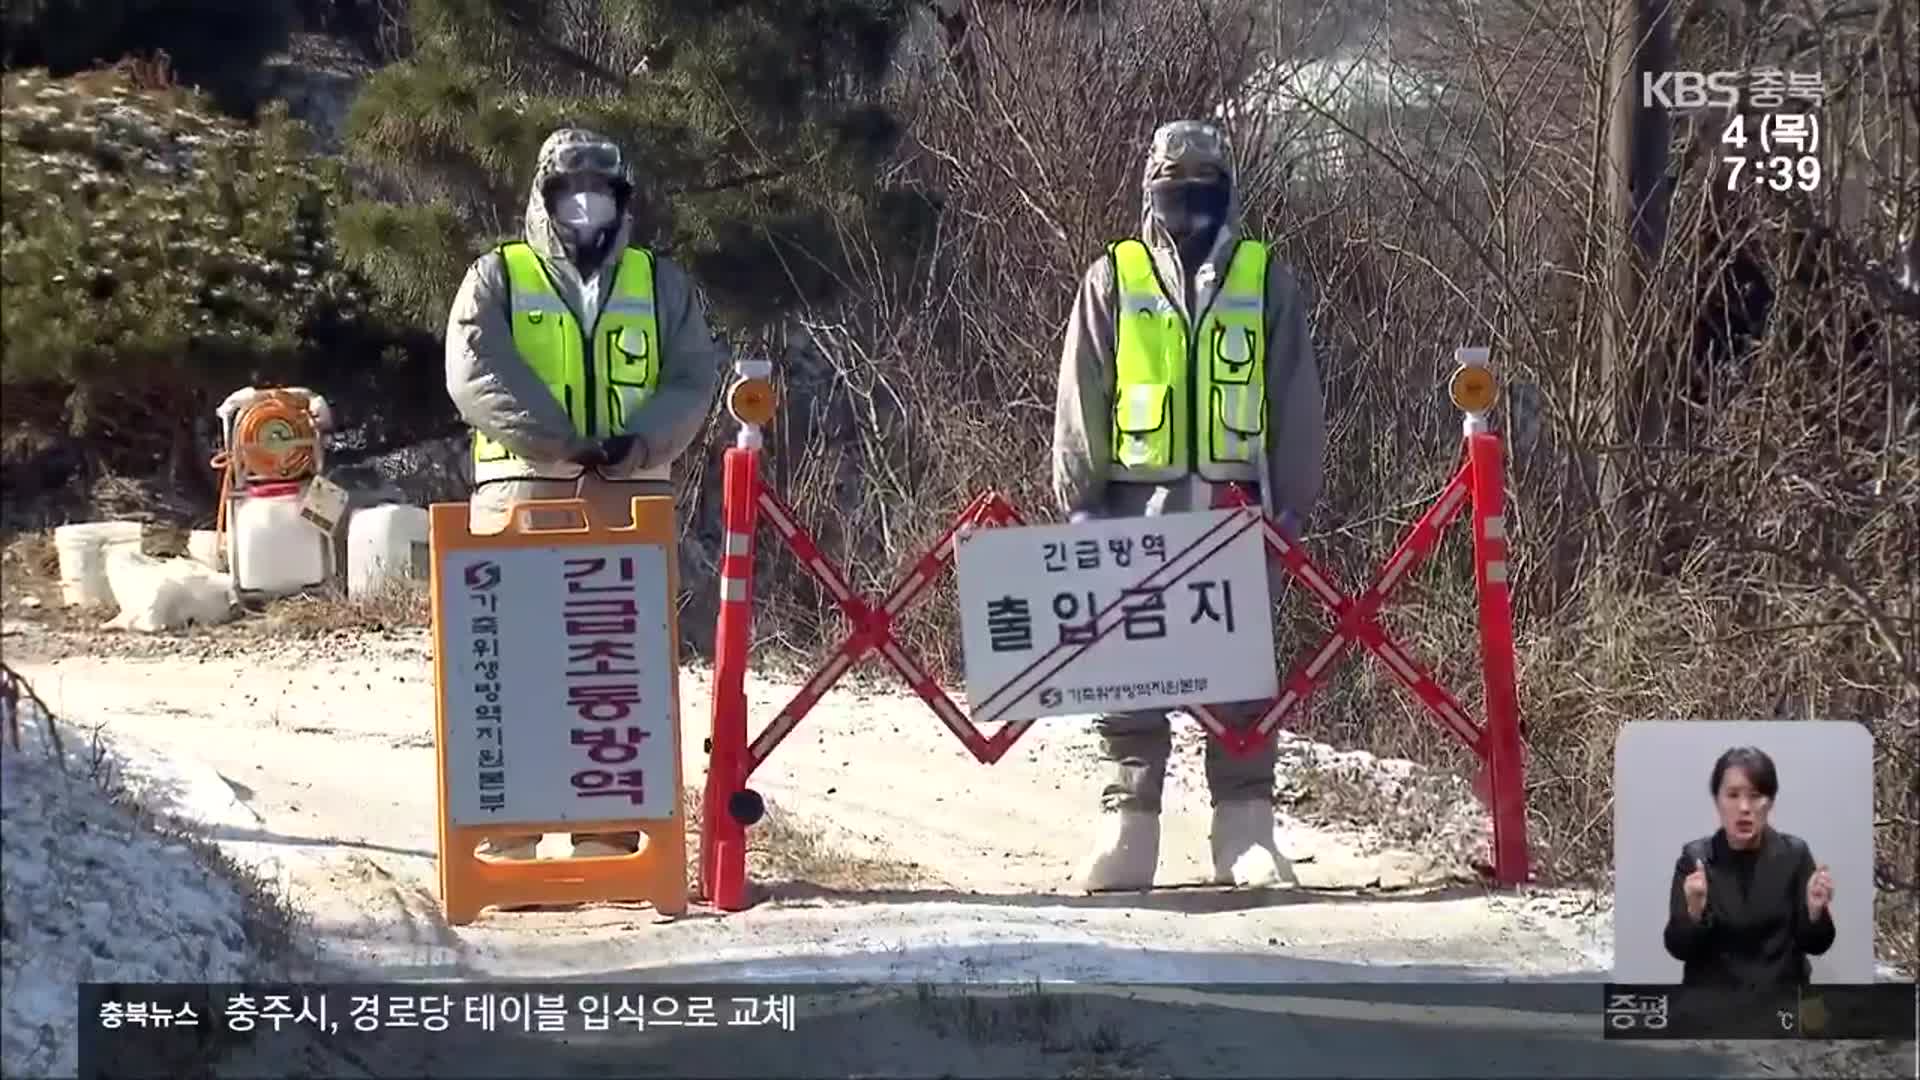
(1191,211)
(585,210)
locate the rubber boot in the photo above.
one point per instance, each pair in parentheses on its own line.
(601,846)
(515,848)
(1126,852)
(512,849)
(1245,851)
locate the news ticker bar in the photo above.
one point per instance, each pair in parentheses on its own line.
(128,1023)
(1824,1012)
(140,1030)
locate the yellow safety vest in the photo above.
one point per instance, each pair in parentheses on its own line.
(1189,402)
(600,376)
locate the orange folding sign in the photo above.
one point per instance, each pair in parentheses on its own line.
(556,668)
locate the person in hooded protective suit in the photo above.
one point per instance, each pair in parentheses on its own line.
(583,365)
(1155,416)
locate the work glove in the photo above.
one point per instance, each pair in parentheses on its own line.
(590,455)
(1079,516)
(618,449)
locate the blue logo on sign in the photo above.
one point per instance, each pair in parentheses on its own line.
(483,576)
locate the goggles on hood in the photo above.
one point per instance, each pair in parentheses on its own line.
(1185,172)
(602,158)
(1188,150)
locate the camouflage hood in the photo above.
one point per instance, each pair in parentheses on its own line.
(567,152)
(1188,150)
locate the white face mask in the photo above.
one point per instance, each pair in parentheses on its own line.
(585,210)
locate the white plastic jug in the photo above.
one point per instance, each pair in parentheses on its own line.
(275,551)
(203,546)
(165,594)
(83,558)
(386,544)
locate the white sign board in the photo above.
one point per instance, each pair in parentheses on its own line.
(558,684)
(1112,616)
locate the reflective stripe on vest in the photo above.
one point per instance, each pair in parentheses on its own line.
(1186,402)
(599,384)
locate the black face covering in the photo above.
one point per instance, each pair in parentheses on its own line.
(1192,214)
(588,250)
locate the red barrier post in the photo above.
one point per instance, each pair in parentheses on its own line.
(1507,786)
(727,807)
(723,837)
(1474,390)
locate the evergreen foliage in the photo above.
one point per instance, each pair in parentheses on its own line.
(754,126)
(160,255)
(216,45)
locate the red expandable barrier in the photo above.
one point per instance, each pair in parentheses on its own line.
(1480,483)
(1356,620)
(729,806)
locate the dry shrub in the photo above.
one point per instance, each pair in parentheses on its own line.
(784,851)
(1394,802)
(30,558)
(148,72)
(393,605)
(1687,656)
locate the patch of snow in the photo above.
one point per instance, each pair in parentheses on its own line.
(90,894)
(942,943)
(191,793)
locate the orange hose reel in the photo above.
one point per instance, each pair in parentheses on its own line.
(274,439)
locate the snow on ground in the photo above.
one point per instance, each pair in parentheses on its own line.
(93,895)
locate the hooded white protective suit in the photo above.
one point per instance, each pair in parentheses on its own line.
(1137,745)
(498,394)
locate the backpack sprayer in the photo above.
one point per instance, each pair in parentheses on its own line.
(267,437)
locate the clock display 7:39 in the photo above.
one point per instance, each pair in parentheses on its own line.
(1781,173)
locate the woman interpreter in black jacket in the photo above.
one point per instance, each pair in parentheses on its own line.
(1748,905)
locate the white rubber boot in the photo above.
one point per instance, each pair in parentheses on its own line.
(515,848)
(594,848)
(1125,854)
(1245,850)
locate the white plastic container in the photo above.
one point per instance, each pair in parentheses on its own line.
(203,547)
(165,594)
(274,551)
(386,544)
(83,558)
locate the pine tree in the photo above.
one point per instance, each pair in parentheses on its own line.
(160,255)
(754,127)
(216,45)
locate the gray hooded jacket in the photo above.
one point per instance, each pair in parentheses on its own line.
(498,394)
(1083,416)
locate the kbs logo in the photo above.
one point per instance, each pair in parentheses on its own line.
(483,576)
(1690,89)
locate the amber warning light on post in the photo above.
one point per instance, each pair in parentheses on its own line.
(1472,387)
(751,398)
